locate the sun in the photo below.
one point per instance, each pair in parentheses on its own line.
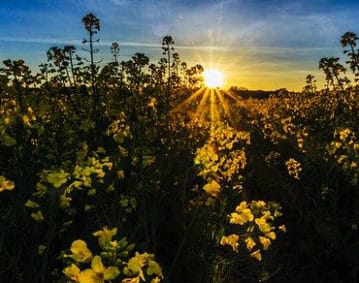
(213,78)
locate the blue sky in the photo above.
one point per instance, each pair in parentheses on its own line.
(264,44)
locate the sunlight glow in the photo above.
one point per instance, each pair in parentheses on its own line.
(213,78)
(208,104)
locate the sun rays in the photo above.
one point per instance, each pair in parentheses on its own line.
(211,105)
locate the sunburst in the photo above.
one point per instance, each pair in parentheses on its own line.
(209,104)
(213,78)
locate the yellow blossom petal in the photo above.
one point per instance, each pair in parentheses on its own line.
(250,243)
(260,204)
(6,184)
(263,226)
(212,188)
(271,235)
(37,216)
(136,279)
(282,228)
(105,235)
(156,280)
(80,251)
(241,206)
(89,276)
(267,215)
(31,204)
(111,273)
(243,217)
(257,254)
(265,242)
(231,240)
(72,272)
(97,265)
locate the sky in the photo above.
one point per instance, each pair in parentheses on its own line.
(257,44)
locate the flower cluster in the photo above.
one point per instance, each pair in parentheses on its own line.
(84,267)
(6,185)
(88,171)
(222,158)
(8,114)
(28,118)
(119,130)
(255,219)
(294,168)
(345,148)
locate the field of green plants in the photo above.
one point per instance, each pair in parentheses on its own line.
(134,172)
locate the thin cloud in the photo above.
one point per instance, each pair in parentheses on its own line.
(104,43)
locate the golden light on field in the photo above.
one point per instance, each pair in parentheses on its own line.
(213,78)
(209,104)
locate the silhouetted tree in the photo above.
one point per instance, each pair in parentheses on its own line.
(92,25)
(175,78)
(136,76)
(349,39)
(157,74)
(167,43)
(45,72)
(70,52)
(310,84)
(332,69)
(194,76)
(21,78)
(60,60)
(167,47)
(115,50)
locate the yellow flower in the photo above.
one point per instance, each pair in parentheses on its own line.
(271,235)
(257,254)
(120,174)
(57,178)
(241,218)
(265,242)
(344,134)
(294,168)
(98,273)
(6,184)
(241,206)
(136,263)
(31,204)
(72,272)
(260,204)
(342,158)
(37,216)
(231,240)
(26,120)
(7,121)
(156,280)
(337,144)
(267,215)
(64,201)
(282,228)
(136,279)
(263,226)
(212,188)
(250,243)
(105,235)
(277,213)
(152,103)
(80,251)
